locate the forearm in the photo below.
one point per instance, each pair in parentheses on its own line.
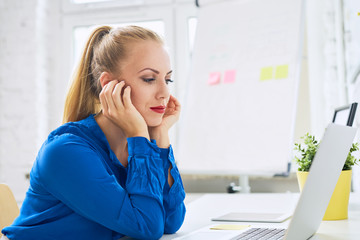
(174,218)
(161,137)
(163,141)
(174,201)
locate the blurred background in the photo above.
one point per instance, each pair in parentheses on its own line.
(41,41)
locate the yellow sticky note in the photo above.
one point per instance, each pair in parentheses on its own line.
(266,73)
(358,13)
(229,227)
(282,71)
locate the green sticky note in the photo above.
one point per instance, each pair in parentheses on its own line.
(266,73)
(282,71)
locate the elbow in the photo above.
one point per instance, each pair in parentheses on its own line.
(153,230)
(149,234)
(174,222)
(156,231)
(172,229)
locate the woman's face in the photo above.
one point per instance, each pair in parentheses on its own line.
(147,71)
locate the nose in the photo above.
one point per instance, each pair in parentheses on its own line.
(162,91)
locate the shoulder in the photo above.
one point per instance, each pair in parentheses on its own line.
(68,150)
(60,151)
(64,159)
(69,137)
(63,143)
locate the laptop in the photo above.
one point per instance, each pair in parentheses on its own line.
(315,196)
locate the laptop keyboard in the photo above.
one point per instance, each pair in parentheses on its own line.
(261,234)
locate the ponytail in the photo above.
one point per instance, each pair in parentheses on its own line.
(81,100)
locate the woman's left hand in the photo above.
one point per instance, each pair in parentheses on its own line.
(171,116)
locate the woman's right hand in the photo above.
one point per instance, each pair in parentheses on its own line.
(120,110)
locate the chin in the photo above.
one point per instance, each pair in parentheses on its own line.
(153,122)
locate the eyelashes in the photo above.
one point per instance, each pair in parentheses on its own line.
(149,80)
(169,81)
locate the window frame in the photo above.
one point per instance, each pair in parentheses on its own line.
(69,6)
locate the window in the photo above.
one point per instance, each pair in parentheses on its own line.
(192,23)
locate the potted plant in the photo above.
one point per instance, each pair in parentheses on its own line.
(338,205)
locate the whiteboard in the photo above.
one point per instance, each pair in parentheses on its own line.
(240,106)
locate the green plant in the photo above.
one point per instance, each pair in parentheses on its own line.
(308,151)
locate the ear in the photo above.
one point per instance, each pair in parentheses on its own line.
(105,78)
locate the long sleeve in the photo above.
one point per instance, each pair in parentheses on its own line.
(173,197)
(73,171)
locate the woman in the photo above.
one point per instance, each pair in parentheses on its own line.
(111,174)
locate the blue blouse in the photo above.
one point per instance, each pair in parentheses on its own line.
(80,190)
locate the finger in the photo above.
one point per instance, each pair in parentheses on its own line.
(108,95)
(116,95)
(170,103)
(170,107)
(127,97)
(176,104)
(103,100)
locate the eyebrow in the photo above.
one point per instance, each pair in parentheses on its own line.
(155,71)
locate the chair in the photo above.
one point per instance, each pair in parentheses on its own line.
(9,209)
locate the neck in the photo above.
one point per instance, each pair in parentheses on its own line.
(115,136)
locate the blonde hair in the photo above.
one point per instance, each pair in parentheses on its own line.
(103,51)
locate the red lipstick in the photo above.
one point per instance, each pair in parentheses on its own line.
(158,109)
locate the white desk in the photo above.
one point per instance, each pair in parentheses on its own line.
(201,210)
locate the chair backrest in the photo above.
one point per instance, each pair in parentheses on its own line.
(9,209)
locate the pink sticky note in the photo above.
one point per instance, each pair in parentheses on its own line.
(214,78)
(229,76)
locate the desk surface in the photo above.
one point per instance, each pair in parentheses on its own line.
(201,210)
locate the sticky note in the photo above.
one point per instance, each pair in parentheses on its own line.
(229,76)
(229,227)
(214,78)
(266,73)
(282,71)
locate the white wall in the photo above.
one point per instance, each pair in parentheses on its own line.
(18,92)
(28,85)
